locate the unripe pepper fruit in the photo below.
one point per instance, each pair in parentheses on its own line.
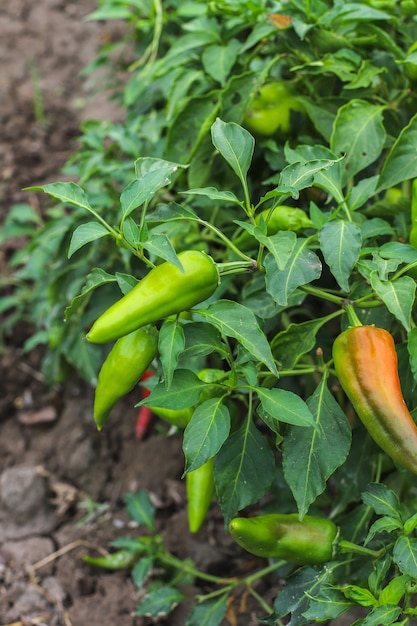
(308,541)
(164,291)
(124,366)
(366,364)
(200,491)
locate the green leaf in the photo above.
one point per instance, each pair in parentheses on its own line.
(219,60)
(85,233)
(165,169)
(397,295)
(289,345)
(95,279)
(68,193)
(214,194)
(382,500)
(412,350)
(202,339)
(302,175)
(328,604)
(405,555)
(140,508)
(141,570)
(382,615)
(285,406)
(401,162)
(359,595)
(303,267)
(340,242)
(159,602)
(330,180)
(184,391)
(142,190)
(122,559)
(359,134)
(279,245)
(171,343)
(394,591)
(310,456)
(243,470)
(235,320)
(360,193)
(161,247)
(383,524)
(206,432)
(235,144)
(208,613)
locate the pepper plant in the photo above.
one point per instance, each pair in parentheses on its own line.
(196,170)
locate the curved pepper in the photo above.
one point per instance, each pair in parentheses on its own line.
(200,490)
(366,364)
(309,541)
(124,366)
(164,291)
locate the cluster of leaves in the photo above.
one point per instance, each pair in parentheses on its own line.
(183,172)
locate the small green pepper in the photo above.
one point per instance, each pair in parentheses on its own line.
(271,109)
(280,218)
(309,541)
(200,490)
(164,291)
(124,366)
(366,364)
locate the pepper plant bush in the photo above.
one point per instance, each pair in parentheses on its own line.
(200,163)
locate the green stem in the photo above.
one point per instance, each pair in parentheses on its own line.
(348,546)
(353,318)
(236,267)
(324,295)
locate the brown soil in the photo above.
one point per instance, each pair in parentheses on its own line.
(54,465)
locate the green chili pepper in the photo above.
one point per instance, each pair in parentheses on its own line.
(366,364)
(124,366)
(200,490)
(280,218)
(309,541)
(164,291)
(413,230)
(122,559)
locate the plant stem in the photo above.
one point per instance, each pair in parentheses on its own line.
(348,546)
(353,318)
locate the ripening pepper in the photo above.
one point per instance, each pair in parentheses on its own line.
(164,291)
(200,490)
(275,535)
(366,364)
(124,366)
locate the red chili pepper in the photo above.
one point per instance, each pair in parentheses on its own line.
(145,414)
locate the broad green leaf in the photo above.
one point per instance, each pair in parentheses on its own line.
(330,180)
(279,245)
(382,615)
(303,267)
(68,193)
(171,343)
(140,508)
(131,232)
(243,470)
(141,570)
(219,60)
(310,456)
(398,296)
(96,278)
(327,605)
(359,134)
(85,233)
(209,612)
(401,162)
(202,339)
(232,108)
(161,247)
(382,500)
(360,193)
(184,391)
(340,242)
(285,406)
(214,194)
(405,555)
(165,169)
(235,144)
(235,320)
(289,345)
(319,116)
(359,595)
(394,590)
(159,602)
(190,126)
(383,524)
(142,190)
(299,590)
(182,82)
(302,175)
(206,432)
